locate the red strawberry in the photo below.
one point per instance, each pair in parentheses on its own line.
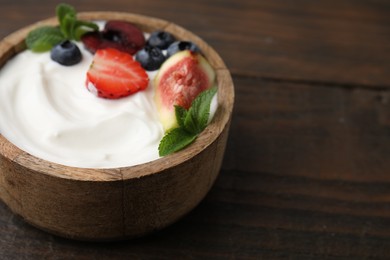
(120,35)
(114,74)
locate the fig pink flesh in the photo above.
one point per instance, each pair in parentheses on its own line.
(182,83)
(180,80)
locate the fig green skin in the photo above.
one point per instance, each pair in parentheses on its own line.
(180,80)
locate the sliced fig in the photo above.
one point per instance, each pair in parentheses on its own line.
(180,80)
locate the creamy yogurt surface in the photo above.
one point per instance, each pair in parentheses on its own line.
(46,110)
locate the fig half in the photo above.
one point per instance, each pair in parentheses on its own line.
(182,77)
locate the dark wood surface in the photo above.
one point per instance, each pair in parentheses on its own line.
(306,173)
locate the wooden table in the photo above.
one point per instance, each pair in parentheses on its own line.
(307,170)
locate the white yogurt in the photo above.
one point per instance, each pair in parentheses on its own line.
(46,110)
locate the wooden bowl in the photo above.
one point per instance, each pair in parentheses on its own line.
(115,203)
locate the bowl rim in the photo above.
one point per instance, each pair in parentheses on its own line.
(14,43)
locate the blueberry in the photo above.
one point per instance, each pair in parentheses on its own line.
(181,46)
(161,39)
(150,58)
(66,53)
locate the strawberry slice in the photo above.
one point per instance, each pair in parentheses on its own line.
(114,74)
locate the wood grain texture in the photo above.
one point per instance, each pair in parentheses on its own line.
(306,171)
(345,42)
(337,133)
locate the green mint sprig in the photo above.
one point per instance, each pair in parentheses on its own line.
(44,38)
(191,123)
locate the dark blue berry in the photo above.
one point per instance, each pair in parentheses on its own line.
(161,39)
(66,53)
(150,58)
(181,46)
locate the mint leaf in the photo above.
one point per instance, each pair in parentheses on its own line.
(191,123)
(198,114)
(70,26)
(181,114)
(44,38)
(63,10)
(175,140)
(67,25)
(81,27)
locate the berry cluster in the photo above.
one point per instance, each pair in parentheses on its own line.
(160,46)
(122,55)
(127,39)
